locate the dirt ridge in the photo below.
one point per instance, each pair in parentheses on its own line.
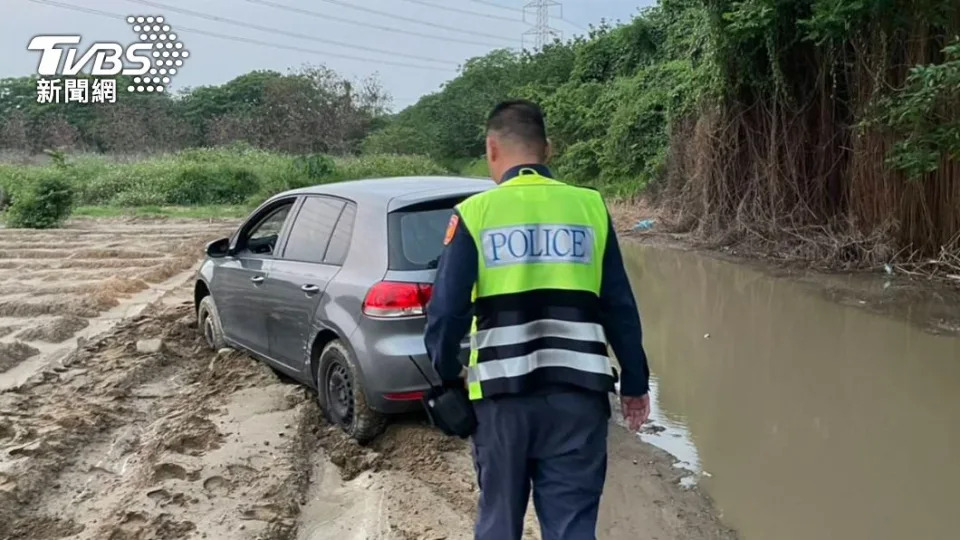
(126,460)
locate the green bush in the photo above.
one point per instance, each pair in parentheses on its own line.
(610,98)
(476,168)
(396,139)
(112,181)
(385,166)
(233,175)
(204,184)
(316,166)
(45,204)
(916,114)
(127,199)
(12,179)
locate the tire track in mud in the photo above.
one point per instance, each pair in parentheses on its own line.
(70,264)
(82,274)
(128,438)
(179,442)
(145,434)
(91,270)
(80,253)
(112,283)
(119,444)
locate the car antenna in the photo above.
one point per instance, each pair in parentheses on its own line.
(424,375)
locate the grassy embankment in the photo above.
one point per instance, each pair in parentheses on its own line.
(175,212)
(199,183)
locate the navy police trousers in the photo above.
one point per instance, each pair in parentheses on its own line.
(555,442)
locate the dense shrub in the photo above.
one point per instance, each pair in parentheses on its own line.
(211,184)
(385,166)
(316,166)
(396,139)
(234,175)
(128,199)
(310,109)
(609,100)
(45,204)
(475,168)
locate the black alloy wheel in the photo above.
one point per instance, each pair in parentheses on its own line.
(339,393)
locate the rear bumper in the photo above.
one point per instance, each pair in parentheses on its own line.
(388,370)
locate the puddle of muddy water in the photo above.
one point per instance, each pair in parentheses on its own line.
(674,437)
(667,431)
(814,419)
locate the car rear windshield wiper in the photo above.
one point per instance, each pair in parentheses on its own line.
(434,263)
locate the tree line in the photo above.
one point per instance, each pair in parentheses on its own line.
(822,129)
(813,128)
(311,110)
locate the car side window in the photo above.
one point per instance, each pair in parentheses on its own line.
(262,238)
(340,241)
(312,229)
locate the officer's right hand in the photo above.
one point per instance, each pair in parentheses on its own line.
(636,410)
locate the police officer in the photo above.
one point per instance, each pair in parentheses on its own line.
(533,270)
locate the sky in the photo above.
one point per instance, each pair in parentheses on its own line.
(430,38)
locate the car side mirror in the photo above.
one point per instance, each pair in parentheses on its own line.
(219,248)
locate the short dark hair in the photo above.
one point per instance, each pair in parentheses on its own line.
(522,121)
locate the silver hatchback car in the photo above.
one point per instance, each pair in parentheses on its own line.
(328,285)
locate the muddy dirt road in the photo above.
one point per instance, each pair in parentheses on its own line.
(158,440)
(61,286)
(145,434)
(142,433)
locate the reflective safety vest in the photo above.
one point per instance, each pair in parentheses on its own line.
(536,301)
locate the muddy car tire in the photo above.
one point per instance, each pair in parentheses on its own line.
(341,396)
(208,322)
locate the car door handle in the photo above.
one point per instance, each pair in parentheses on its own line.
(257,280)
(310,289)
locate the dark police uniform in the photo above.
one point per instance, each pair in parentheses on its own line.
(533,270)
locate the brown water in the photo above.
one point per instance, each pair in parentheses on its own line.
(815,420)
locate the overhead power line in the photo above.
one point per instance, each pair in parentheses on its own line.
(241,39)
(414,20)
(494,4)
(463,11)
(217,18)
(329,17)
(573,24)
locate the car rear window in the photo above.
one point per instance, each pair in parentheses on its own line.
(416,234)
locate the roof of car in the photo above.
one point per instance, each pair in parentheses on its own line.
(402,190)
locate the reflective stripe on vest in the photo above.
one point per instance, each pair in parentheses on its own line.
(518,366)
(536,301)
(506,335)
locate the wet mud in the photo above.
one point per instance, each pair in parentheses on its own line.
(106,436)
(60,286)
(189,443)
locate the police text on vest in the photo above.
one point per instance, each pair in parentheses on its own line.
(542,243)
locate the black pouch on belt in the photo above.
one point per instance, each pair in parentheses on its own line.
(450,410)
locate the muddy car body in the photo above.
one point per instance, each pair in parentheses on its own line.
(328,284)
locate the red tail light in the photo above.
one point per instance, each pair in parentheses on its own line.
(395,299)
